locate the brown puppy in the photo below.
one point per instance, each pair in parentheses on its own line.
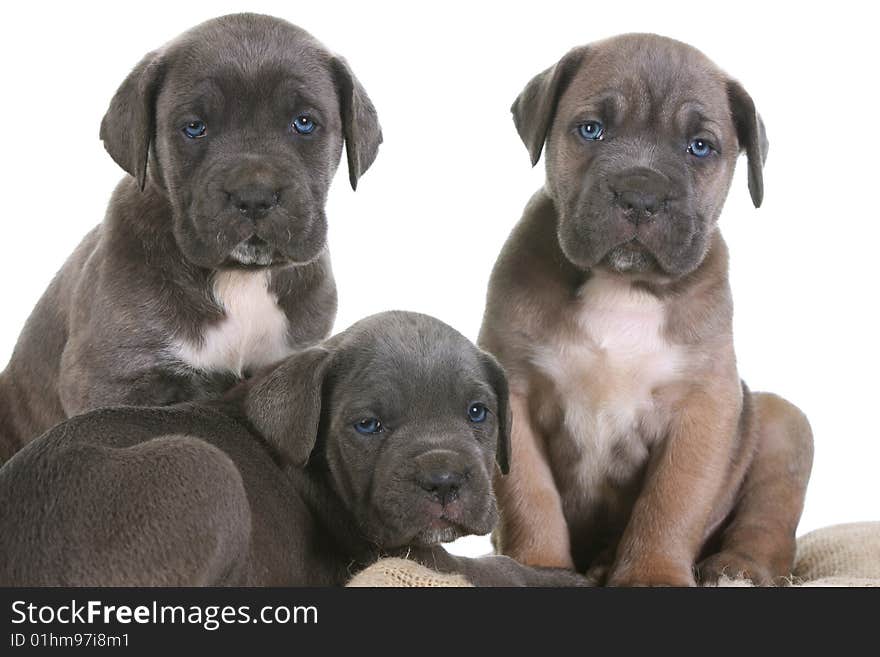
(638,452)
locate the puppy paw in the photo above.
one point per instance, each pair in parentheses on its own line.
(732,565)
(600,567)
(651,573)
(597,574)
(544,558)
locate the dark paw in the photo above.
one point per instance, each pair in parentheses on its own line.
(651,572)
(597,574)
(651,579)
(734,566)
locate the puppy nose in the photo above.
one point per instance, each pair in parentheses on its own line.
(640,194)
(254,201)
(442,484)
(638,204)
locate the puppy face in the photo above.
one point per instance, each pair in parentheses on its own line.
(412,418)
(240,122)
(642,135)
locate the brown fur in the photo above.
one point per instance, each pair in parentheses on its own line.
(638,455)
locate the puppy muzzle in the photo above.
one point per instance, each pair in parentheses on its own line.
(454,500)
(254,251)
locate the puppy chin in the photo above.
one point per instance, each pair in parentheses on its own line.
(453,524)
(437,533)
(422,530)
(252,253)
(434,527)
(630,258)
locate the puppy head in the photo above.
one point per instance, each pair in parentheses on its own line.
(240,122)
(404,417)
(642,134)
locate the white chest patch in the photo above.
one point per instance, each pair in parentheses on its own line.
(606,372)
(252,333)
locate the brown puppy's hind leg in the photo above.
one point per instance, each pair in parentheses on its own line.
(758,542)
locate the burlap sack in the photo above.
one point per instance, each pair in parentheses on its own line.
(841,555)
(404,573)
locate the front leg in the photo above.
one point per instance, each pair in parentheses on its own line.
(532,527)
(686,474)
(96,378)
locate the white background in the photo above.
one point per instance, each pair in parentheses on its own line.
(451,179)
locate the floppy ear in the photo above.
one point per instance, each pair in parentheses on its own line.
(127,127)
(360,123)
(751,136)
(285,406)
(535,107)
(498,379)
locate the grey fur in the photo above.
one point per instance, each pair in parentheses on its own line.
(142,279)
(273,485)
(651,116)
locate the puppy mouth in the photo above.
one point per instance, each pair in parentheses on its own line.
(440,530)
(630,257)
(435,524)
(444,523)
(253,252)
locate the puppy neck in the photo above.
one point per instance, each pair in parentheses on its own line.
(338,529)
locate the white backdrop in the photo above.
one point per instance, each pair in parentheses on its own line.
(424,228)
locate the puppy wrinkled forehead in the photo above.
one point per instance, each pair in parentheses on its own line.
(418,349)
(248,47)
(655,74)
(246,35)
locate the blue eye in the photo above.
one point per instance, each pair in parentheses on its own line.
(369,425)
(699,148)
(477,413)
(591,130)
(303,124)
(195,129)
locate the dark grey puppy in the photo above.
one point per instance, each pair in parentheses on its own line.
(380,441)
(211,261)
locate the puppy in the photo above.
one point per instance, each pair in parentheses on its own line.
(211,261)
(639,454)
(380,441)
